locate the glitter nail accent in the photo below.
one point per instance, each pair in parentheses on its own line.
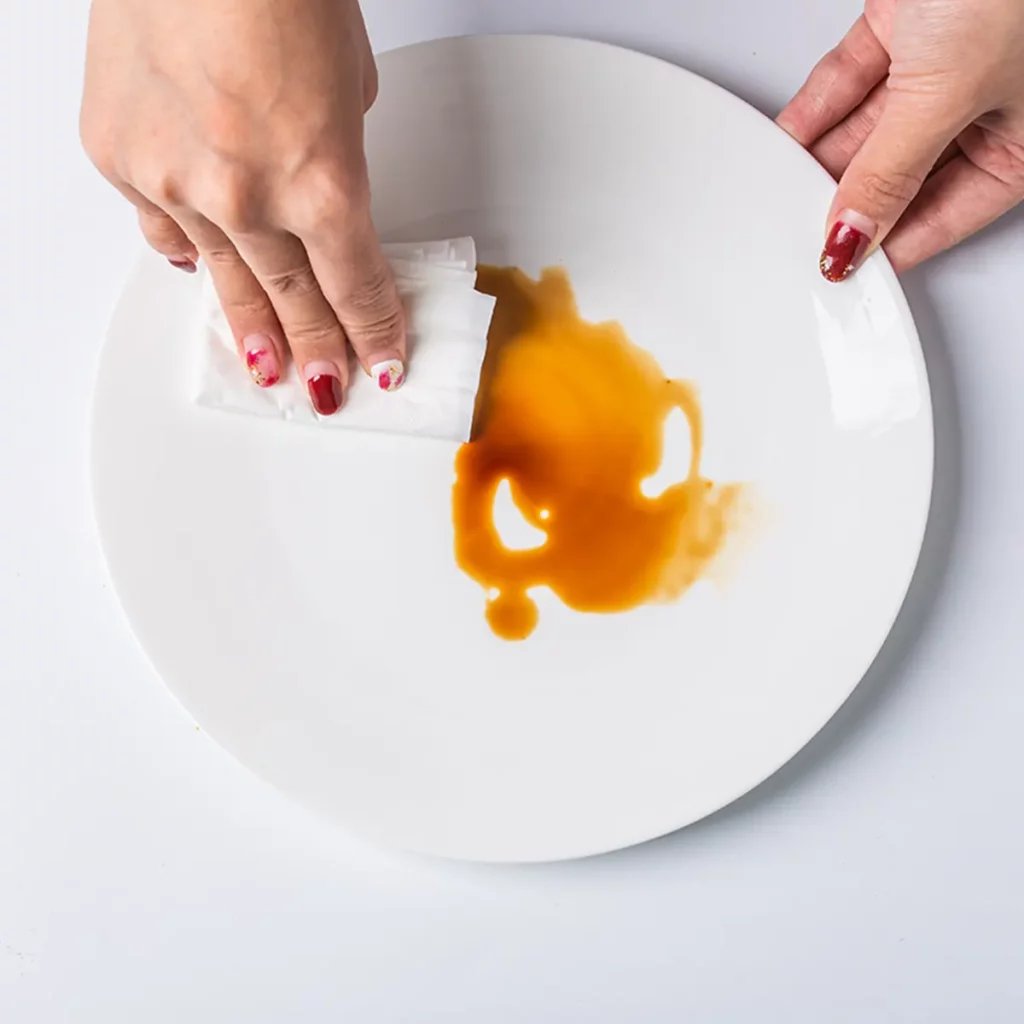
(262,366)
(390,375)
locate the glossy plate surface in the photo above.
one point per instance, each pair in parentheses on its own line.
(297,589)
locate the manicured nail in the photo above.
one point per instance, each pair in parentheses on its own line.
(187,265)
(324,387)
(261,359)
(389,375)
(846,246)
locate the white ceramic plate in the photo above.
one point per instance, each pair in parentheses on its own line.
(297,590)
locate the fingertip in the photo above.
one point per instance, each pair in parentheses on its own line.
(847,245)
(384,346)
(324,383)
(381,349)
(262,359)
(836,86)
(790,122)
(388,374)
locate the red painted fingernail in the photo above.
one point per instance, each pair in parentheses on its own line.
(324,388)
(187,265)
(846,245)
(261,360)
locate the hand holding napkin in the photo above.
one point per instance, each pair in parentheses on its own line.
(447,323)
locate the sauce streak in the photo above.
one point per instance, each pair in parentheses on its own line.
(572,415)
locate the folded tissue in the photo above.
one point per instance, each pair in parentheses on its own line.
(447,322)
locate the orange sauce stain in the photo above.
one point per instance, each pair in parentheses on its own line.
(572,414)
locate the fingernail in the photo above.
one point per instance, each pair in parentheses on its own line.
(846,245)
(324,387)
(187,265)
(389,375)
(261,359)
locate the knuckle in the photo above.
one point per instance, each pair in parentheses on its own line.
(832,69)
(321,337)
(883,189)
(221,254)
(229,203)
(838,64)
(319,199)
(297,283)
(1003,161)
(829,65)
(374,311)
(251,306)
(941,232)
(159,229)
(325,198)
(386,328)
(158,186)
(221,127)
(374,297)
(851,62)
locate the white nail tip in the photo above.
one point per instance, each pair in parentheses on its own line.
(389,375)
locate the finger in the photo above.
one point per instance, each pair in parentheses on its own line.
(359,284)
(956,202)
(837,85)
(165,236)
(249,311)
(158,227)
(317,341)
(948,155)
(882,180)
(838,146)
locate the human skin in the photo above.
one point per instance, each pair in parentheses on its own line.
(236,129)
(919,112)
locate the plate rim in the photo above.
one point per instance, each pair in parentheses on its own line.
(908,325)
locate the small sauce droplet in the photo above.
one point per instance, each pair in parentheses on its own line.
(572,415)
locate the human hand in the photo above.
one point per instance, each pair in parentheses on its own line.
(920,112)
(236,129)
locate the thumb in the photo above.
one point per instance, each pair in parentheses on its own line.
(882,180)
(358,282)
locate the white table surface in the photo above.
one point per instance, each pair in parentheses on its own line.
(146,876)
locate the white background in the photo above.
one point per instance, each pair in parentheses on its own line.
(145,876)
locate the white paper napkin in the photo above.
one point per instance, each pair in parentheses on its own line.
(447,322)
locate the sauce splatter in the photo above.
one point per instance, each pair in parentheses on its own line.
(572,414)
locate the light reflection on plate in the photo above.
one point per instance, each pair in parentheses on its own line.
(296,588)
